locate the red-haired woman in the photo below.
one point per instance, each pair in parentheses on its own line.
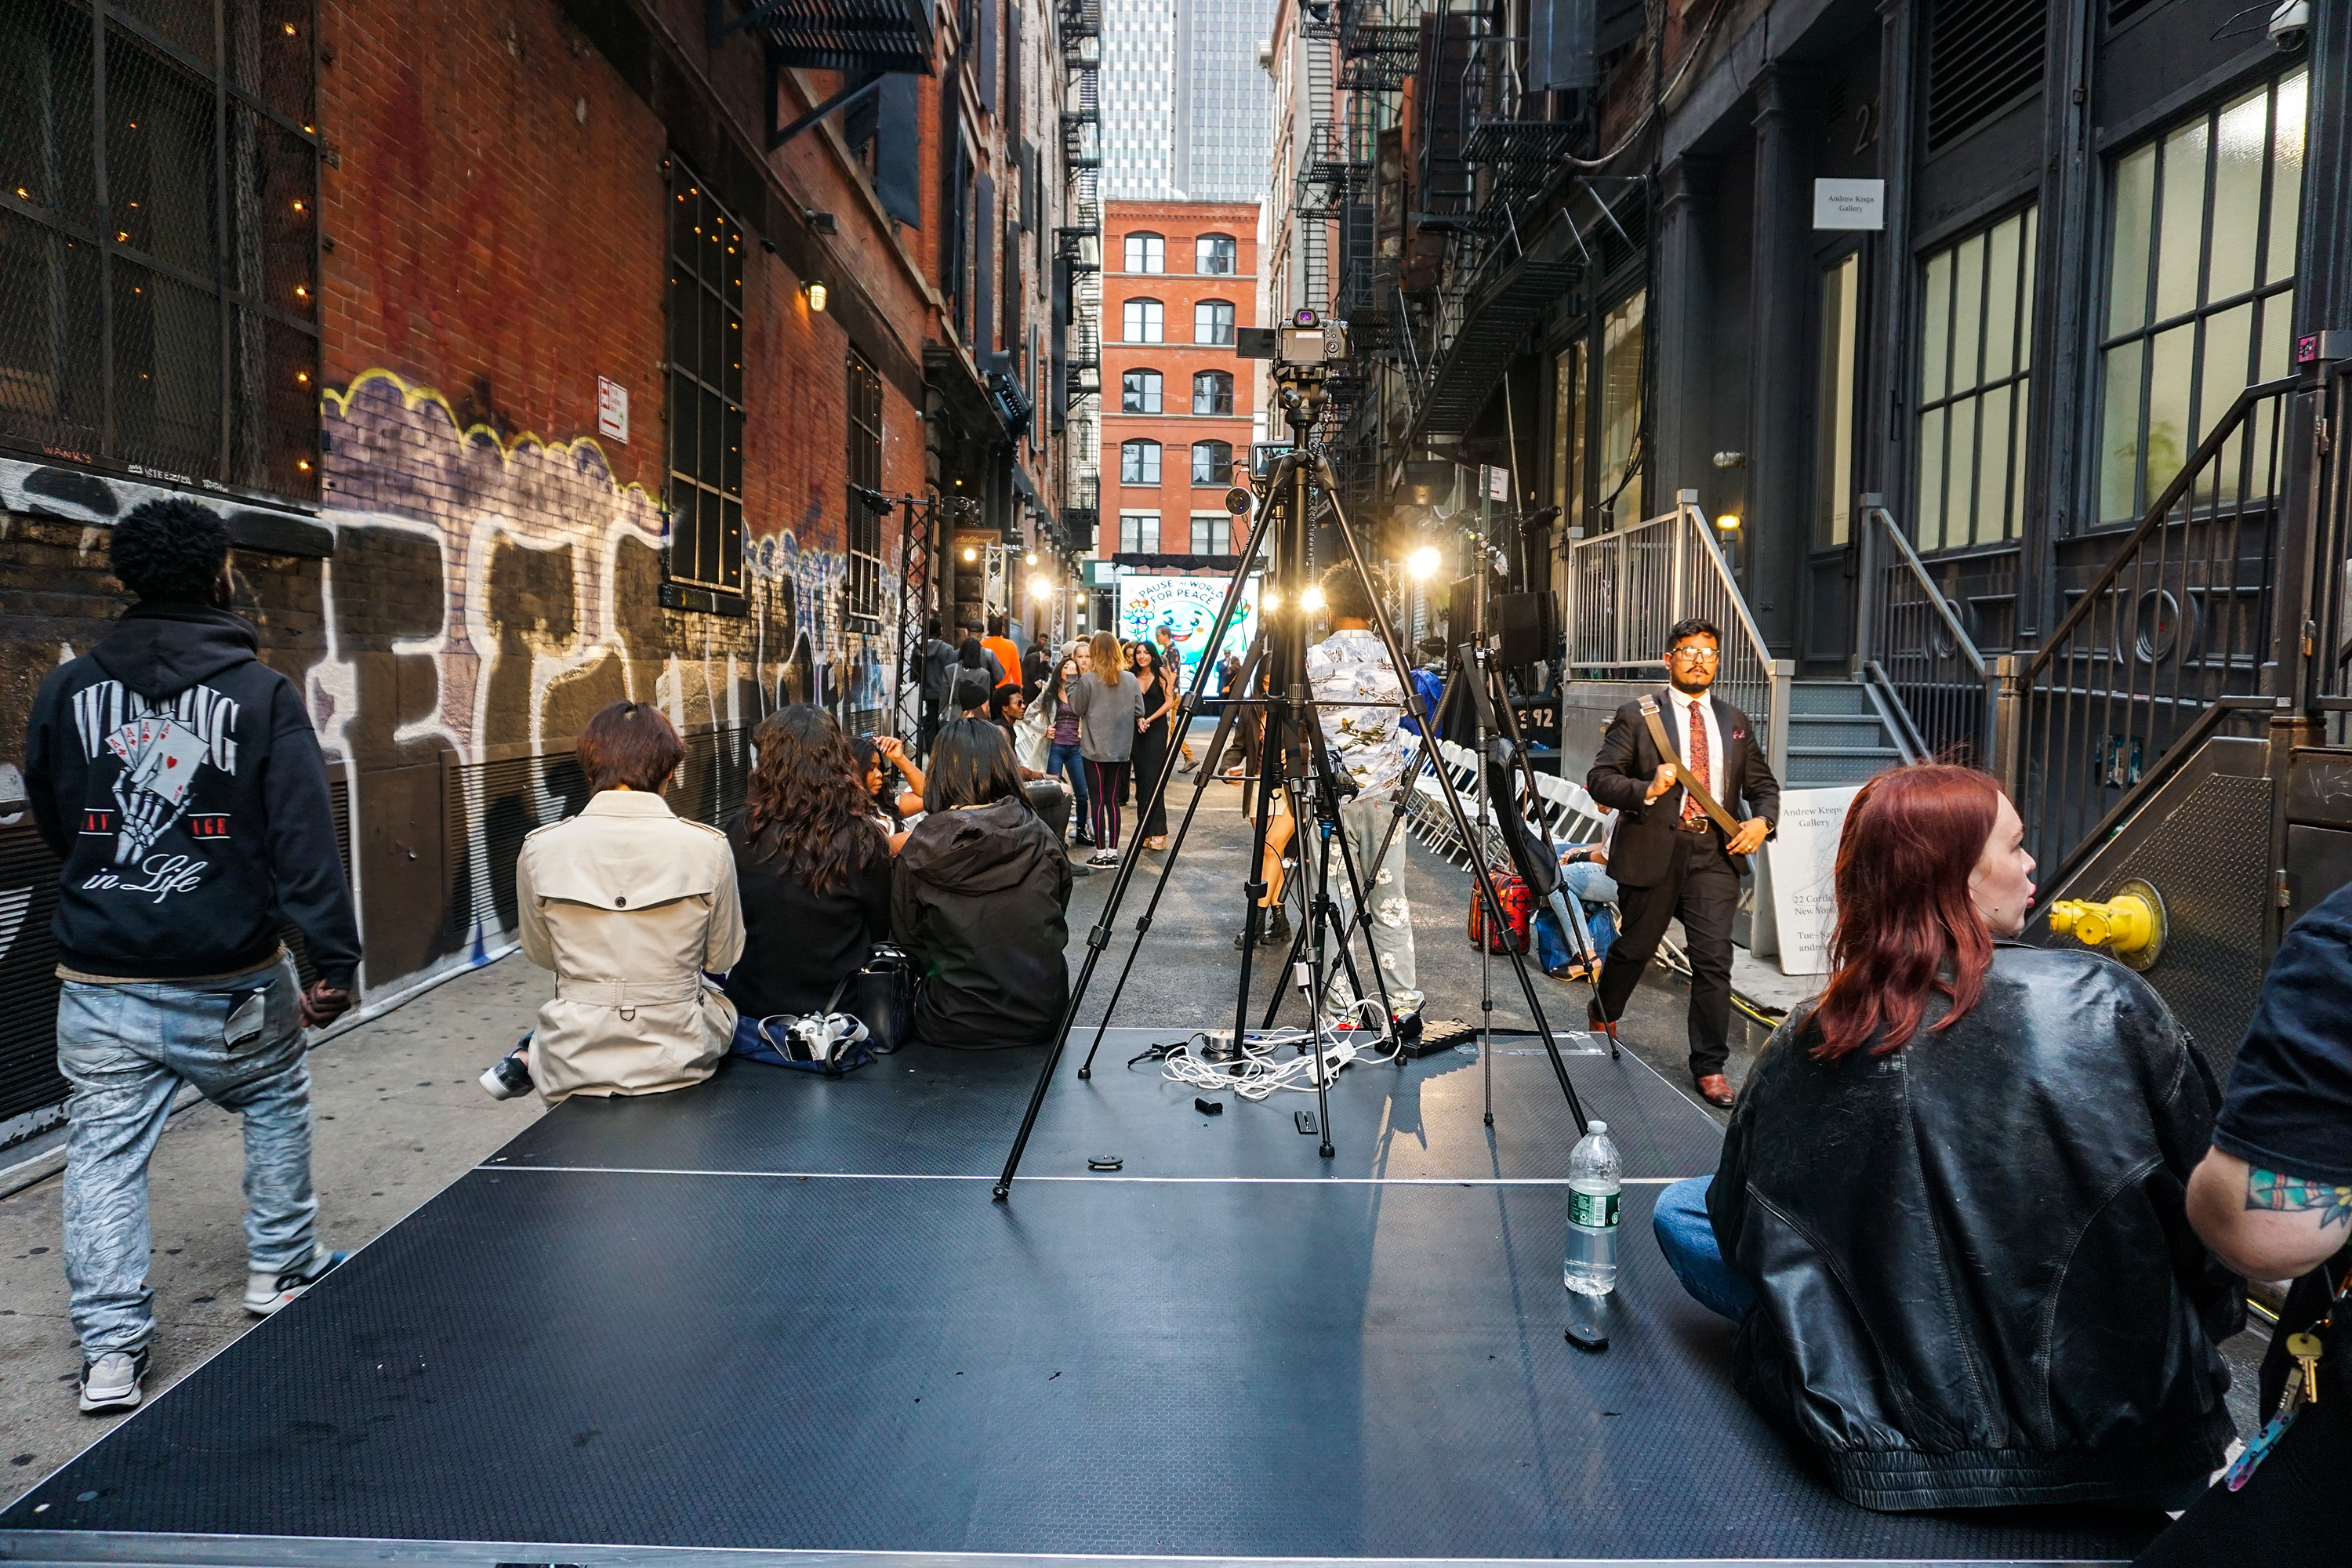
(1951,1198)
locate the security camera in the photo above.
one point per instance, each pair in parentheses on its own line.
(2289,24)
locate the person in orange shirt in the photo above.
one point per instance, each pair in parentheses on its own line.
(997,643)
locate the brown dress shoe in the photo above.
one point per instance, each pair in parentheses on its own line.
(1715,1089)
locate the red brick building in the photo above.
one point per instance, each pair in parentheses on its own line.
(1179,279)
(532,366)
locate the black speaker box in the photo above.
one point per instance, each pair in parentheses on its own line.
(1527,626)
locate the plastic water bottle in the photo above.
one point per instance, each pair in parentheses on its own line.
(1594,1182)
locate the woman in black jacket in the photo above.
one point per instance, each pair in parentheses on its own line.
(812,866)
(1953,1191)
(980,900)
(1154,737)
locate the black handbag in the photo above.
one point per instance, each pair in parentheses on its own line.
(881,995)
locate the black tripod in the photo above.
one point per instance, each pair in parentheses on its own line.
(1299,478)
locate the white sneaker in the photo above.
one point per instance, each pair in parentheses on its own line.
(266,1293)
(508,1078)
(112,1381)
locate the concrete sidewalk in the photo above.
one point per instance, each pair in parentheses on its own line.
(399,1117)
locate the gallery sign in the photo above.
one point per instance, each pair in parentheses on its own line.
(1850,204)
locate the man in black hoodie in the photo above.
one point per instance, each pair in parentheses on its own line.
(178,779)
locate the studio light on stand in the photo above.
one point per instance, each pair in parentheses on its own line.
(1423,564)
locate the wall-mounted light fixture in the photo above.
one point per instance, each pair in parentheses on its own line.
(815,292)
(970,554)
(1729,522)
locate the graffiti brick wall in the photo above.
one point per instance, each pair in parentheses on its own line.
(483,572)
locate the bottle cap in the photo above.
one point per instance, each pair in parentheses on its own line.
(1592,1127)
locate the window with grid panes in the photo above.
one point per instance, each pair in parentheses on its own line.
(2201,286)
(1143,321)
(1213,533)
(1139,534)
(864,469)
(1139,462)
(1212,462)
(706,388)
(1139,391)
(1147,253)
(1213,392)
(159,308)
(1214,254)
(1213,321)
(1975,341)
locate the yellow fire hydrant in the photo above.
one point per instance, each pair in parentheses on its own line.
(2129,924)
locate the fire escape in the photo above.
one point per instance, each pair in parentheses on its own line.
(1488,159)
(1077,250)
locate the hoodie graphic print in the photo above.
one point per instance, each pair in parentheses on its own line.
(160,748)
(178,779)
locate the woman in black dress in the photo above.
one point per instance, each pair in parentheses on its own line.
(1153,736)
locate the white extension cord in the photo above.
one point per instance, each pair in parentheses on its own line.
(1260,1071)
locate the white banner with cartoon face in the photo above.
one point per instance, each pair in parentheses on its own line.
(1188,607)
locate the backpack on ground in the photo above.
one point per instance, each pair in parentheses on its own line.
(1518,913)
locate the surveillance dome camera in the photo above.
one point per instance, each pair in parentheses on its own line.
(2290,23)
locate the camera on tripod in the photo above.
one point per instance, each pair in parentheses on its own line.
(1301,348)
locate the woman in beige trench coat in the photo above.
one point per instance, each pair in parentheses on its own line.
(629,905)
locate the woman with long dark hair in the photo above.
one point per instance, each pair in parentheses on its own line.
(813,864)
(1107,702)
(1063,760)
(982,898)
(893,802)
(1154,735)
(1950,1211)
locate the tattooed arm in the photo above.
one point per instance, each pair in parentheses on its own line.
(2267,1224)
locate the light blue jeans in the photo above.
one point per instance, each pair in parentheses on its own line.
(1066,762)
(1688,1238)
(1588,890)
(126,1049)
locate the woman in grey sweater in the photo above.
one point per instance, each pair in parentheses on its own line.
(1110,706)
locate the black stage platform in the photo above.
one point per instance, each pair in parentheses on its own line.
(779,1313)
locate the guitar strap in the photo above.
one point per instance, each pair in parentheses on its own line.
(1682,775)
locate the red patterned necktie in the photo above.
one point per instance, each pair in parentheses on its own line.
(1697,765)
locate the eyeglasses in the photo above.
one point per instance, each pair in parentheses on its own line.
(1696,655)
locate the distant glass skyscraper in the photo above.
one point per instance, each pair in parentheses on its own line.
(1186,113)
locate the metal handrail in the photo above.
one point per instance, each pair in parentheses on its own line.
(2222,433)
(1918,569)
(1629,586)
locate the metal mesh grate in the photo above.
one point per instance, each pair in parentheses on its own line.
(158,261)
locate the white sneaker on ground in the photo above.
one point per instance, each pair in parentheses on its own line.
(112,1381)
(1103,858)
(266,1293)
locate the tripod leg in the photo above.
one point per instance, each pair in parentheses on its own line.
(1098,934)
(1455,809)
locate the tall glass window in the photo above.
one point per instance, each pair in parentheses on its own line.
(1144,320)
(1213,392)
(1138,532)
(1139,391)
(1567,434)
(1213,321)
(1833,410)
(706,389)
(1622,479)
(1216,255)
(1139,462)
(1976,338)
(1147,253)
(1212,462)
(1213,533)
(2201,285)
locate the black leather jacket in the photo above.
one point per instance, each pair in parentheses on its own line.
(1976,1283)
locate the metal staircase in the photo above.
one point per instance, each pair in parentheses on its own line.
(1839,734)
